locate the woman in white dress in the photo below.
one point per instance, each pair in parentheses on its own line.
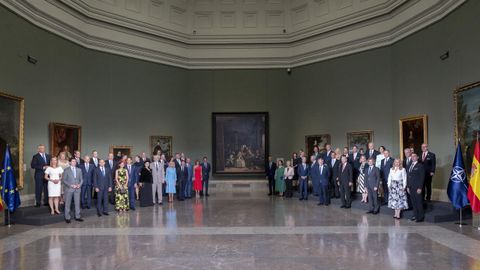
(397,184)
(378,161)
(53,174)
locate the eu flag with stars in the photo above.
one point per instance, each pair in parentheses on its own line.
(8,188)
(458,185)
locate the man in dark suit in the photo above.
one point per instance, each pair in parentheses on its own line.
(429,162)
(40,161)
(328,153)
(354,160)
(314,175)
(182,177)
(303,173)
(86,189)
(78,158)
(334,166)
(111,165)
(324,181)
(345,182)
(102,182)
(177,160)
(372,183)
(133,174)
(385,166)
(415,184)
(407,161)
(188,186)
(94,158)
(271,168)
(206,168)
(371,152)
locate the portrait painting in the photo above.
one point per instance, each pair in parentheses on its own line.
(316,140)
(161,145)
(413,133)
(64,138)
(240,143)
(467,119)
(120,150)
(11,133)
(359,139)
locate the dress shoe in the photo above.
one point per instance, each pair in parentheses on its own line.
(370,212)
(301,199)
(106,214)
(160,203)
(98,214)
(208,195)
(343,206)
(79,219)
(348,207)
(375,213)
(319,203)
(413,219)
(45,204)
(132,208)
(37,205)
(327,204)
(269,194)
(88,207)
(419,220)
(68,220)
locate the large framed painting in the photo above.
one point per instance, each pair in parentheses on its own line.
(240,143)
(11,132)
(467,119)
(162,144)
(120,150)
(359,139)
(316,140)
(64,138)
(413,133)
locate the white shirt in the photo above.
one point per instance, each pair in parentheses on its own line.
(397,175)
(54,173)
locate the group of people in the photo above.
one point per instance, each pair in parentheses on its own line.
(120,181)
(401,184)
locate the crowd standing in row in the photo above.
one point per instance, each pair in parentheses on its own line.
(401,184)
(120,181)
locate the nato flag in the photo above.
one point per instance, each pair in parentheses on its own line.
(9,190)
(458,185)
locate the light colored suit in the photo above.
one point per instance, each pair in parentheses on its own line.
(69,179)
(158,175)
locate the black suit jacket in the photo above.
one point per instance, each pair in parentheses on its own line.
(415,177)
(93,163)
(430,162)
(182,176)
(87,176)
(205,171)
(374,155)
(406,164)
(100,181)
(111,168)
(38,163)
(334,169)
(271,170)
(345,176)
(385,168)
(354,161)
(372,179)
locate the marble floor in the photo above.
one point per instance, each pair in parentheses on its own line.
(241,231)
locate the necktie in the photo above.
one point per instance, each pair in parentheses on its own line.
(156,166)
(369,169)
(411,167)
(424,156)
(86,166)
(44,158)
(129,168)
(103,171)
(111,165)
(74,172)
(321,170)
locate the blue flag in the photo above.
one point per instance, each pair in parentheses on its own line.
(8,188)
(458,185)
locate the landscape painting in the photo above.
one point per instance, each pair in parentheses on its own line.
(467,119)
(11,133)
(359,139)
(240,143)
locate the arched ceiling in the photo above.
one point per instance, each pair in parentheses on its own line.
(205,34)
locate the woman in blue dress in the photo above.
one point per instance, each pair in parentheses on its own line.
(171,178)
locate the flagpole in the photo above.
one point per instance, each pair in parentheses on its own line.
(8,218)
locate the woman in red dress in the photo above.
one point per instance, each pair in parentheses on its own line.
(197,182)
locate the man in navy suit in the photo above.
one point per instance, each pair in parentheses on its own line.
(206,168)
(303,173)
(78,158)
(354,160)
(327,155)
(334,164)
(372,182)
(323,182)
(94,158)
(345,182)
(112,165)
(182,178)
(316,178)
(188,185)
(429,162)
(102,182)
(415,184)
(133,174)
(271,168)
(86,189)
(40,161)
(371,152)
(385,167)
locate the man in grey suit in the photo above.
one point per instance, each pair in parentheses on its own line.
(372,182)
(158,172)
(72,179)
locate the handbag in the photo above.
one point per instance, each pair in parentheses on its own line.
(122,191)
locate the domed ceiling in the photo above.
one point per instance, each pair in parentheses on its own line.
(206,34)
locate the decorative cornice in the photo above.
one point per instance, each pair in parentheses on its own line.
(386,24)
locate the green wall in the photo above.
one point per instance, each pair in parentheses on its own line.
(119,100)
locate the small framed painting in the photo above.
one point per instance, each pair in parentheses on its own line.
(413,133)
(359,138)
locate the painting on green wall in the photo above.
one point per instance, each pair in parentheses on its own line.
(11,132)
(161,145)
(359,139)
(467,119)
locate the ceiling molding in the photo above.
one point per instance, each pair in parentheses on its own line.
(382,24)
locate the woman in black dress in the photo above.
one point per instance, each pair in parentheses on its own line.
(146,181)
